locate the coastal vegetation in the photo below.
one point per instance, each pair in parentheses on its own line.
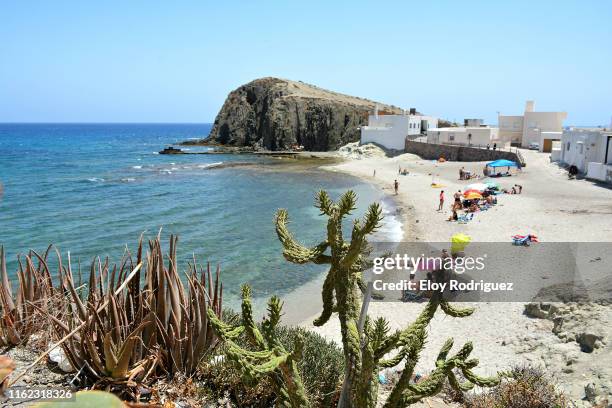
(141,327)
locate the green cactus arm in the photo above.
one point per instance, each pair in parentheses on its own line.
(426,388)
(403,337)
(481,381)
(238,351)
(412,353)
(395,360)
(269,323)
(323,202)
(292,380)
(295,252)
(457,386)
(454,311)
(371,221)
(352,345)
(223,330)
(270,365)
(327,295)
(347,203)
(250,326)
(443,353)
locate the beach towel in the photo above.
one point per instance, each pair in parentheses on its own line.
(465,218)
(523,240)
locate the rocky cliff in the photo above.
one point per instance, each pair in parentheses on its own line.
(276,114)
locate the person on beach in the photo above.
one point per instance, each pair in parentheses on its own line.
(520,188)
(461,174)
(458,198)
(374,175)
(396,186)
(454,216)
(441,201)
(400,170)
(494,146)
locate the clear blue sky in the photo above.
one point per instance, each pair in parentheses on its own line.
(146,61)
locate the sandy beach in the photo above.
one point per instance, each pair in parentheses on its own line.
(553,208)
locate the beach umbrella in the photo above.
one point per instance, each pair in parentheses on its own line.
(477,187)
(467,192)
(459,242)
(502,163)
(473,195)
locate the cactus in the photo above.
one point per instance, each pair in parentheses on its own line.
(342,293)
(270,357)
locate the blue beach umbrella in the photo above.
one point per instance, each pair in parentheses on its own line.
(502,163)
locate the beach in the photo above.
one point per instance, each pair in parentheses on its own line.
(552,207)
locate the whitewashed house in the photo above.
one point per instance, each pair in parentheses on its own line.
(532,127)
(478,136)
(391,131)
(590,150)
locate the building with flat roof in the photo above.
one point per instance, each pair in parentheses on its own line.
(478,136)
(590,150)
(531,127)
(391,131)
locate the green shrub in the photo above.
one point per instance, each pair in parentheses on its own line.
(529,388)
(321,369)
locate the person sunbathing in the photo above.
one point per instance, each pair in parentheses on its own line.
(473,207)
(454,216)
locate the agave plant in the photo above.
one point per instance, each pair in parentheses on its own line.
(18,314)
(130,327)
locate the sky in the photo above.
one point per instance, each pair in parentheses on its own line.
(158,61)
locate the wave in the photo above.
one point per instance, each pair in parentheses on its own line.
(137,167)
(210,165)
(392,229)
(128,179)
(95,179)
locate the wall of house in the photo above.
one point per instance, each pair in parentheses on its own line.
(433,151)
(534,123)
(390,130)
(391,138)
(480,136)
(510,128)
(579,147)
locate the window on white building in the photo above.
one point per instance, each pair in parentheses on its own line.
(451,137)
(568,146)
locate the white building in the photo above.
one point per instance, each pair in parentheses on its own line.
(480,136)
(590,150)
(532,127)
(391,131)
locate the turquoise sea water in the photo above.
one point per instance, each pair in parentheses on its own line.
(92,189)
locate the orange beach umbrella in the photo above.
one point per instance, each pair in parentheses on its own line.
(473,195)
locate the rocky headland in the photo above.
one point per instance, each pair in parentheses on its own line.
(279,114)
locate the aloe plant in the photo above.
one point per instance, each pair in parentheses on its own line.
(18,314)
(152,327)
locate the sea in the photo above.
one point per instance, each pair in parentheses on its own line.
(93,189)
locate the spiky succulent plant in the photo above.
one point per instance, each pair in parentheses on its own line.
(342,293)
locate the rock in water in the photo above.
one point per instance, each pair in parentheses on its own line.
(277,114)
